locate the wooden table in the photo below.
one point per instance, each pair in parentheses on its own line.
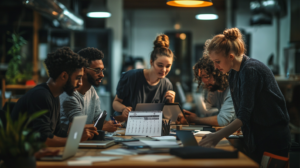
(126,162)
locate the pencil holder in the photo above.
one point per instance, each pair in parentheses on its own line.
(165,128)
(100,136)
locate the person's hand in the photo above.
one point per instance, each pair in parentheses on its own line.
(89,132)
(210,140)
(109,126)
(170,96)
(181,120)
(126,111)
(45,152)
(90,126)
(191,117)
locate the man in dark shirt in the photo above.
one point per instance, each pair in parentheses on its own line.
(65,69)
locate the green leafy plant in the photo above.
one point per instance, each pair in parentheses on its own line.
(16,139)
(13,74)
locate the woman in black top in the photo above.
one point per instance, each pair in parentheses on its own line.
(146,85)
(259,104)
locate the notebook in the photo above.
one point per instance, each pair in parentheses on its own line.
(96,144)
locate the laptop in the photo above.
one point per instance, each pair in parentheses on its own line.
(149,106)
(187,138)
(73,140)
(170,110)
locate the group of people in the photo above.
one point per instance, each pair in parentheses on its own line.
(243,90)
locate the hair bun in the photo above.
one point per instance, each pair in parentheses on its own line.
(161,41)
(232,34)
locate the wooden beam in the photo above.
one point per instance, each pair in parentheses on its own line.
(36,26)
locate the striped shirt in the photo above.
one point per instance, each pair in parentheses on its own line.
(260,105)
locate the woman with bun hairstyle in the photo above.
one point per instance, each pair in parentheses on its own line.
(146,85)
(259,104)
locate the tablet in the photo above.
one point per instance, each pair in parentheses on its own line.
(172,111)
(100,121)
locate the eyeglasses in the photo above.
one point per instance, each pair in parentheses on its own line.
(96,70)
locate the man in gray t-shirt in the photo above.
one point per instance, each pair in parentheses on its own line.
(85,100)
(79,104)
(217,106)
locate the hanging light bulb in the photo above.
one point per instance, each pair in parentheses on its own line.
(189,3)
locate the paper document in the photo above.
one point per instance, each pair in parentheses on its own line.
(161,144)
(118,152)
(201,133)
(153,157)
(165,138)
(79,163)
(144,123)
(99,158)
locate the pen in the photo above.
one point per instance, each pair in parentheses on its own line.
(114,120)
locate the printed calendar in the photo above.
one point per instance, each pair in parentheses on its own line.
(146,123)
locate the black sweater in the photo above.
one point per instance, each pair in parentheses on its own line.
(260,105)
(37,99)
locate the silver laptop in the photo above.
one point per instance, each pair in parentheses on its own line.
(96,144)
(73,140)
(170,110)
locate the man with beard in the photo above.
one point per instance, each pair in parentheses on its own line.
(219,106)
(85,100)
(65,71)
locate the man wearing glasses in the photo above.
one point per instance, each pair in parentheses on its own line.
(85,100)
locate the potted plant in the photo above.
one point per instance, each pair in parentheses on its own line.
(13,74)
(18,143)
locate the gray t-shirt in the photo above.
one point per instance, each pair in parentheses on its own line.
(220,104)
(77,105)
(133,88)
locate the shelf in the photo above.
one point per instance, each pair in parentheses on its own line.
(19,87)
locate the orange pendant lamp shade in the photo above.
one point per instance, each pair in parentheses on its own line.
(189,3)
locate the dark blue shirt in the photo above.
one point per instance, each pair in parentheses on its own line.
(133,88)
(260,105)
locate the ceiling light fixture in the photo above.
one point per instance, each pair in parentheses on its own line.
(208,13)
(189,3)
(97,9)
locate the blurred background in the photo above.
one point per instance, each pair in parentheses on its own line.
(125,30)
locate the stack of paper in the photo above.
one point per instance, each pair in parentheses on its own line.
(153,157)
(201,133)
(99,158)
(161,144)
(88,160)
(165,138)
(118,152)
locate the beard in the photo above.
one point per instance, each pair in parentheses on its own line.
(212,88)
(92,81)
(69,88)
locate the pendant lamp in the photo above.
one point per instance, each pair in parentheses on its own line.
(208,13)
(97,9)
(189,3)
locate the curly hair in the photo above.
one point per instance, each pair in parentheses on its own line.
(205,64)
(63,59)
(91,54)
